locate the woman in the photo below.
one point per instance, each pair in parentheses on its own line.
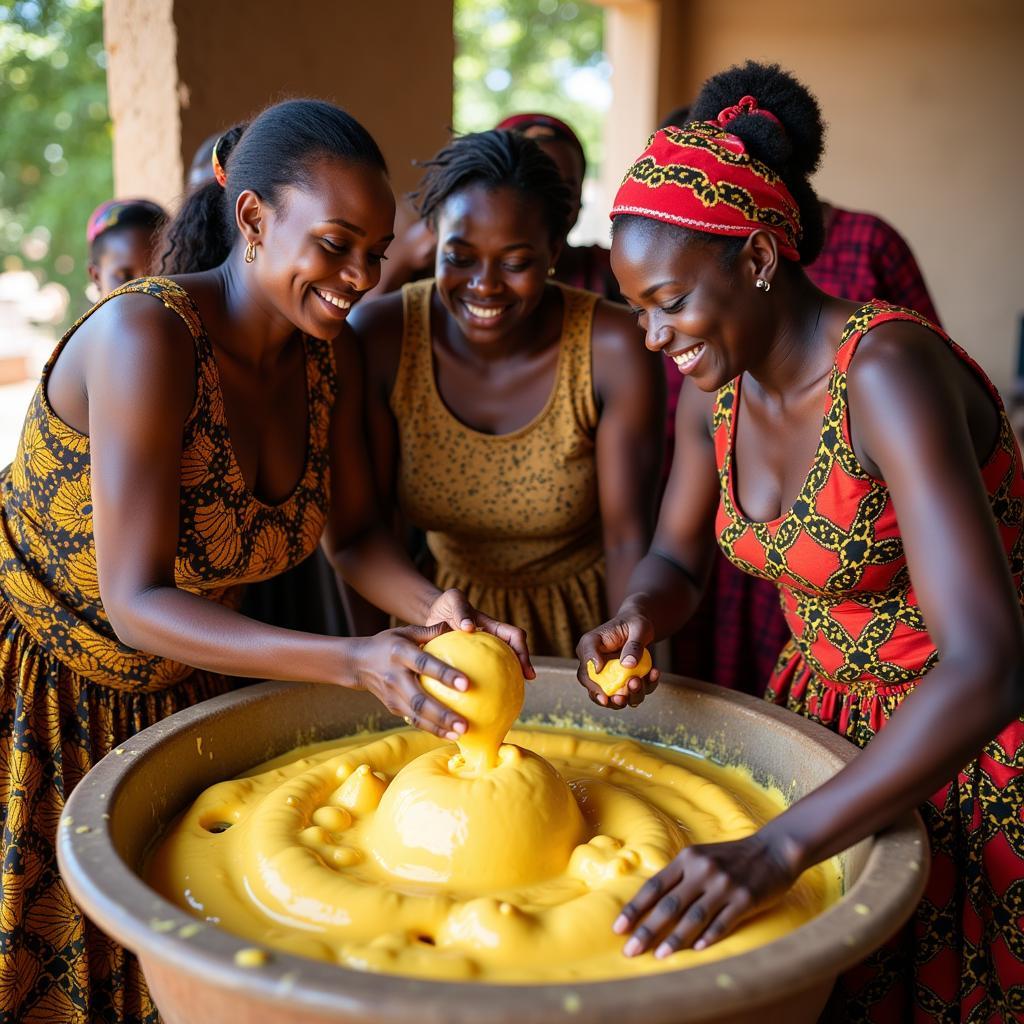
(581,266)
(911,513)
(530,406)
(121,233)
(189,436)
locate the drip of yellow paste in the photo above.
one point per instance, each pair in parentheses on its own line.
(495,696)
(502,862)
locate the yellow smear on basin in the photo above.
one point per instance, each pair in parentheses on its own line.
(502,862)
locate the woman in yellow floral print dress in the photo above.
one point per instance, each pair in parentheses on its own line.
(189,436)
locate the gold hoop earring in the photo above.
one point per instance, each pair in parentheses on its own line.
(761,283)
(250,252)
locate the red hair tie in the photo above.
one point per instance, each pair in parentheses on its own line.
(218,171)
(747,105)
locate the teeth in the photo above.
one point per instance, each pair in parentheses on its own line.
(484,312)
(687,357)
(334,300)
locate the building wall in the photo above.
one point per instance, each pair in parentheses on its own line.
(923,100)
(142,86)
(182,69)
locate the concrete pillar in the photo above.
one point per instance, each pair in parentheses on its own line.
(648,46)
(180,70)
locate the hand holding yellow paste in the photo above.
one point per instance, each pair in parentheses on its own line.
(614,676)
(495,695)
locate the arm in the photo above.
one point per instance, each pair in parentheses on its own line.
(667,584)
(363,551)
(630,386)
(909,403)
(358,542)
(139,379)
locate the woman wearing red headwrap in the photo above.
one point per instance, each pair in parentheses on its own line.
(863,462)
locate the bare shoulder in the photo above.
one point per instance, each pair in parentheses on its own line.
(136,344)
(904,362)
(376,328)
(615,330)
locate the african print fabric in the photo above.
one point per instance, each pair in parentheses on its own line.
(702,177)
(70,691)
(859,646)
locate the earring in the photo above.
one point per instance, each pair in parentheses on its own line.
(551,271)
(761,283)
(250,252)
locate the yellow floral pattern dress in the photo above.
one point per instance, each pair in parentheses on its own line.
(512,519)
(71,691)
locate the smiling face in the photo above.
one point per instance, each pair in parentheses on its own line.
(320,249)
(707,317)
(493,253)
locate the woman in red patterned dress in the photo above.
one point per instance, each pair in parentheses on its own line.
(860,460)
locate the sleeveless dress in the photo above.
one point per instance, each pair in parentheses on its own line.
(859,646)
(512,520)
(71,691)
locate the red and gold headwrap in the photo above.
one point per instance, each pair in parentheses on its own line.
(702,177)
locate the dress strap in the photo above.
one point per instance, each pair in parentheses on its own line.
(721,422)
(415,369)
(179,302)
(171,294)
(574,385)
(872,315)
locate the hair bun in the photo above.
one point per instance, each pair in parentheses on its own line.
(792,144)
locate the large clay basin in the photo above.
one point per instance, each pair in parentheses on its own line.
(133,793)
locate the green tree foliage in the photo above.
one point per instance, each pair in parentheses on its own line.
(531,55)
(55,159)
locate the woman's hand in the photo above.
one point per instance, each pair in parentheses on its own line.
(625,638)
(704,893)
(389,665)
(455,611)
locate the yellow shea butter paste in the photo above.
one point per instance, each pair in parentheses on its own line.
(502,862)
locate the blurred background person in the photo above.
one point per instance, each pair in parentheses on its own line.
(122,237)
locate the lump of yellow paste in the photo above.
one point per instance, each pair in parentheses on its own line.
(495,695)
(614,676)
(492,815)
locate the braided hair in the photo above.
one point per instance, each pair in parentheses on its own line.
(277,150)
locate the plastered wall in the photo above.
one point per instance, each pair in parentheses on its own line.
(182,69)
(924,101)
